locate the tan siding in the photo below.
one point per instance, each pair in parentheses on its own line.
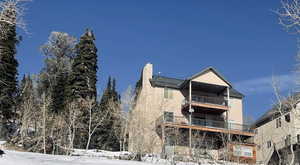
(235,114)
(210,78)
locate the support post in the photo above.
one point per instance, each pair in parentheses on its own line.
(227,113)
(163,136)
(190,116)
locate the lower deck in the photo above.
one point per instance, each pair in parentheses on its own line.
(216,139)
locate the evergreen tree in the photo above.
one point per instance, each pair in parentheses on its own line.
(107,137)
(84,69)
(8,70)
(59,93)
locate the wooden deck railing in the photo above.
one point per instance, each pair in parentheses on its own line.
(180,120)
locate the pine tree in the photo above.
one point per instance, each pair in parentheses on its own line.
(107,137)
(8,71)
(59,93)
(84,69)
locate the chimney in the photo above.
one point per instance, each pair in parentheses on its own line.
(147,74)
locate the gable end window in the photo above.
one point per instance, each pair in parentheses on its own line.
(278,122)
(168,93)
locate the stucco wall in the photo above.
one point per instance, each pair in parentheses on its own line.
(235,113)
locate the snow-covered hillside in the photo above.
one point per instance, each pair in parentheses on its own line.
(25,158)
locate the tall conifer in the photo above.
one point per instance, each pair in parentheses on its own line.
(8,70)
(84,69)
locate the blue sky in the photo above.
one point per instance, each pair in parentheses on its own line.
(241,39)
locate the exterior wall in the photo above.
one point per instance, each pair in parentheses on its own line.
(210,78)
(269,132)
(142,125)
(151,104)
(235,113)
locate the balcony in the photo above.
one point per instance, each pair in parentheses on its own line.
(205,125)
(209,102)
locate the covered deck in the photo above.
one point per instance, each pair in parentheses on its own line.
(208,96)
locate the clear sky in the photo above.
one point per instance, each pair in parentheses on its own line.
(241,39)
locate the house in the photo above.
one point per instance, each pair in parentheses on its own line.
(199,116)
(278,133)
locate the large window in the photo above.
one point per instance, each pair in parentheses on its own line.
(168,93)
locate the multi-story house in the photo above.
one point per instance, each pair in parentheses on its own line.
(278,133)
(199,115)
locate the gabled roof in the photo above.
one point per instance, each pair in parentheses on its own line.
(214,71)
(162,81)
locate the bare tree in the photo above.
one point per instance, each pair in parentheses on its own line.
(127,102)
(44,107)
(143,139)
(289,15)
(59,51)
(72,124)
(96,117)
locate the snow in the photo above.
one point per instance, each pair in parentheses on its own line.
(99,153)
(26,158)
(91,157)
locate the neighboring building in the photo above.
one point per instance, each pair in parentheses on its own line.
(161,117)
(279,130)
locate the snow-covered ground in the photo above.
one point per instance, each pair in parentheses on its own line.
(26,158)
(90,158)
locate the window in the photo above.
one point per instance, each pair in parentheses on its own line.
(168,93)
(298,138)
(278,122)
(287,118)
(269,144)
(288,140)
(168,116)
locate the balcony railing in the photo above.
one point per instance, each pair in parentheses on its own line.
(207,100)
(180,120)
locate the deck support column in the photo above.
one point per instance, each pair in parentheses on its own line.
(190,116)
(163,136)
(227,113)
